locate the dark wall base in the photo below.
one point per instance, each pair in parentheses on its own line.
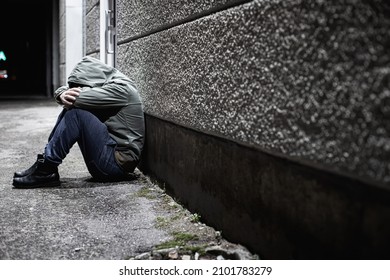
(277,208)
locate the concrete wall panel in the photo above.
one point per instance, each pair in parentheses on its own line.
(139,17)
(93,29)
(304,80)
(89,4)
(62,41)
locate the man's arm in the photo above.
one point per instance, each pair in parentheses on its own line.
(66,96)
(116,93)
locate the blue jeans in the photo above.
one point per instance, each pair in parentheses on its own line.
(96,145)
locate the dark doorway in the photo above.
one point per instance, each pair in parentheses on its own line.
(26,42)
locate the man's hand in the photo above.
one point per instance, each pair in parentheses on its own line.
(69,96)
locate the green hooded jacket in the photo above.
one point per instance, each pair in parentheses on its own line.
(114,99)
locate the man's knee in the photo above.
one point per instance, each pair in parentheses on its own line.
(78,113)
(83,118)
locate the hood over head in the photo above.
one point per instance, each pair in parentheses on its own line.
(90,72)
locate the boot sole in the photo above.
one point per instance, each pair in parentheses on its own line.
(37,185)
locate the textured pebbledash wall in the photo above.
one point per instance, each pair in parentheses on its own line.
(62,41)
(139,18)
(306,80)
(270,118)
(92,18)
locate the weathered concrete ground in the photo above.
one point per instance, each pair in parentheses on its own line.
(82,219)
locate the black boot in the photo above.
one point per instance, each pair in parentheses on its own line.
(29,170)
(44,175)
